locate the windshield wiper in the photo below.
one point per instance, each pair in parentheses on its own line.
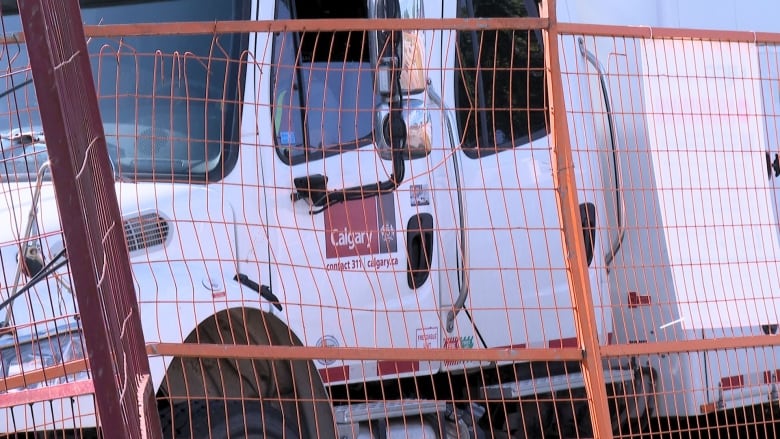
(388,66)
(53,265)
(16,87)
(24,245)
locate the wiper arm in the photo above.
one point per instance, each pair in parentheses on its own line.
(389,64)
(16,87)
(25,244)
(52,266)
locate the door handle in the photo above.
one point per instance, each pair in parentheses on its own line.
(620,212)
(588,219)
(772,165)
(419,249)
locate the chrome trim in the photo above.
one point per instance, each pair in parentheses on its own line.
(463,292)
(621,207)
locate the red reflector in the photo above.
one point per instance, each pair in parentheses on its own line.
(396,367)
(513,346)
(636,299)
(563,343)
(771,376)
(334,374)
(732,382)
(708,408)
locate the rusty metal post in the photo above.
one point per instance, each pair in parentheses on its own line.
(91,220)
(568,209)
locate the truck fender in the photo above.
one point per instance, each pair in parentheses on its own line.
(188,379)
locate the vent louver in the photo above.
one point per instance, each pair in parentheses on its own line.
(144,231)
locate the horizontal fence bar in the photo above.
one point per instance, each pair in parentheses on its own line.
(30,396)
(492,354)
(304,25)
(672,347)
(30,377)
(345,24)
(602,30)
(358,24)
(342,353)
(477,24)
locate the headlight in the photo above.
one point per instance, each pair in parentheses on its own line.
(46,351)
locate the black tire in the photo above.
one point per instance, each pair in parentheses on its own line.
(226,419)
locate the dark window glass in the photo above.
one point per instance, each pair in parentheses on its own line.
(322,84)
(499,81)
(169,104)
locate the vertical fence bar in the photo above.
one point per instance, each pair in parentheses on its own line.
(90,215)
(568,206)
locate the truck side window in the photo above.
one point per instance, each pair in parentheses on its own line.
(499,80)
(322,84)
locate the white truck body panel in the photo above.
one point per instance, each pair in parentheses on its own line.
(708,154)
(702,242)
(755,15)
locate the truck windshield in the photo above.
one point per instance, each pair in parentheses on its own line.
(322,83)
(168,103)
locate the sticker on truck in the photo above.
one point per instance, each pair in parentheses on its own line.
(361,227)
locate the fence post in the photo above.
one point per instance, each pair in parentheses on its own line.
(91,220)
(568,210)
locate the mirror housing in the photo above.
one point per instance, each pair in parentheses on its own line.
(413,77)
(384,77)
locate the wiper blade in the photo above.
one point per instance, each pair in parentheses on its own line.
(16,87)
(52,266)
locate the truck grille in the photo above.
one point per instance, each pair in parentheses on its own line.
(144,231)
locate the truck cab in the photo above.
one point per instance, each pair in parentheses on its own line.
(358,188)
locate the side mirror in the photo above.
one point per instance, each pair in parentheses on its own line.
(411,51)
(413,74)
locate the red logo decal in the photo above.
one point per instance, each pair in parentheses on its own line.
(361,227)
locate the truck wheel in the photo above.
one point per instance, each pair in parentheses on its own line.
(226,419)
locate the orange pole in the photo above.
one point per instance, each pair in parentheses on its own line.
(568,210)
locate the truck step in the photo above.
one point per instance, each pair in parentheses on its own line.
(383,410)
(549,384)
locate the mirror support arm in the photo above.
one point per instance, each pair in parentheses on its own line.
(393,127)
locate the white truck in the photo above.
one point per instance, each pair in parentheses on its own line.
(269,197)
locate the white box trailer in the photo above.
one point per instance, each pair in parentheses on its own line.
(701,241)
